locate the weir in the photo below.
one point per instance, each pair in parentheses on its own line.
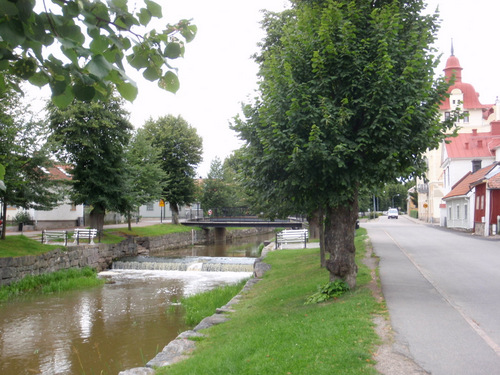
(188,264)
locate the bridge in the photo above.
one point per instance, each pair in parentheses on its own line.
(233,222)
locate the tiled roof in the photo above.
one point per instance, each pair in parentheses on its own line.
(463,186)
(472,145)
(60,172)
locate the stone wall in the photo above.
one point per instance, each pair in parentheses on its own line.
(99,256)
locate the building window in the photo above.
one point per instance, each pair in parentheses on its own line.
(447,115)
(482,202)
(458,211)
(466,116)
(476,165)
(465,211)
(449,213)
(150,207)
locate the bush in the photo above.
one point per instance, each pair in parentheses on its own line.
(328,291)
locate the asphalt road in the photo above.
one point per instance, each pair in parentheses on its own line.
(442,290)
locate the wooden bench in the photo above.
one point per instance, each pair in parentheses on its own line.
(88,234)
(48,235)
(292,236)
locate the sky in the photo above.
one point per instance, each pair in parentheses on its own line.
(217,73)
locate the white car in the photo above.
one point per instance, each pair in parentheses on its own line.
(392,213)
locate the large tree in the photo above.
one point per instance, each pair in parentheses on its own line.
(180,150)
(95,39)
(347,99)
(144,178)
(25,159)
(91,138)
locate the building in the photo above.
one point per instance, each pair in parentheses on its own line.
(445,169)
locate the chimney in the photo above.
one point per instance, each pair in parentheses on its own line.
(480,143)
(474,132)
(495,128)
(466,145)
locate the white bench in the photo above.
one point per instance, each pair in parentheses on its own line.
(48,235)
(292,236)
(88,234)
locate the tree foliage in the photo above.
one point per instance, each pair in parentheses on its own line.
(222,187)
(145,177)
(91,138)
(25,159)
(180,149)
(96,38)
(347,99)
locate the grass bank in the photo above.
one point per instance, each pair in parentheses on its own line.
(51,283)
(274,332)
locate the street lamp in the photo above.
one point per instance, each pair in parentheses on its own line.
(397,195)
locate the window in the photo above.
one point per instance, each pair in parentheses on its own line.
(482,202)
(465,211)
(449,213)
(150,207)
(458,211)
(466,116)
(447,115)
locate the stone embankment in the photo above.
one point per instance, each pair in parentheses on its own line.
(101,256)
(180,348)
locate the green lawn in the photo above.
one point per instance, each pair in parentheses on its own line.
(20,245)
(274,332)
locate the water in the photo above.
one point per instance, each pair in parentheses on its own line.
(106,329)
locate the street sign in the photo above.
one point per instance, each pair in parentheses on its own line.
(162,203)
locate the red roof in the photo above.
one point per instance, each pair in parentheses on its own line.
(59,172)
(471,97)
(473,145)
(463,186)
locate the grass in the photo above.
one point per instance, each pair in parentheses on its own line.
(152,230)
(19,245)
(51,283)
(199,306)
(274,332)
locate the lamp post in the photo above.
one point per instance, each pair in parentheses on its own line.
(397,195)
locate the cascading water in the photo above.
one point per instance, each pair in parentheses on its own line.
(199,264)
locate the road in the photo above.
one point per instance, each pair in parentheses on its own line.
(442,290)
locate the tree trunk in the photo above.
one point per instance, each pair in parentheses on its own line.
(175,213)
(314,224)
(339,242)
(129,220)
(4,218)
(97,218)
(321,227)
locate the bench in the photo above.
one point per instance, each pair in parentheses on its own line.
(48,235)
(292,236)
(88,234)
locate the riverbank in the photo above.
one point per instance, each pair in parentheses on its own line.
(272,331)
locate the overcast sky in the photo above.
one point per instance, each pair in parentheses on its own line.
(217,73)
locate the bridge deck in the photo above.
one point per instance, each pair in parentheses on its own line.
(240,222)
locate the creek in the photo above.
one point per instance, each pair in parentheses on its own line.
(120,325)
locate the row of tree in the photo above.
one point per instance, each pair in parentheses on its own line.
(113,166)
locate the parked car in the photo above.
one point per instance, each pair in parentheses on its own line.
(392,213)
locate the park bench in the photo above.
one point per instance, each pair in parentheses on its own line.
(292,236)
(52,235)
(87,234)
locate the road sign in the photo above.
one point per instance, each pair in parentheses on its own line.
(162,203)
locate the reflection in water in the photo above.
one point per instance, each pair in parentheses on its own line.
(103,330)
